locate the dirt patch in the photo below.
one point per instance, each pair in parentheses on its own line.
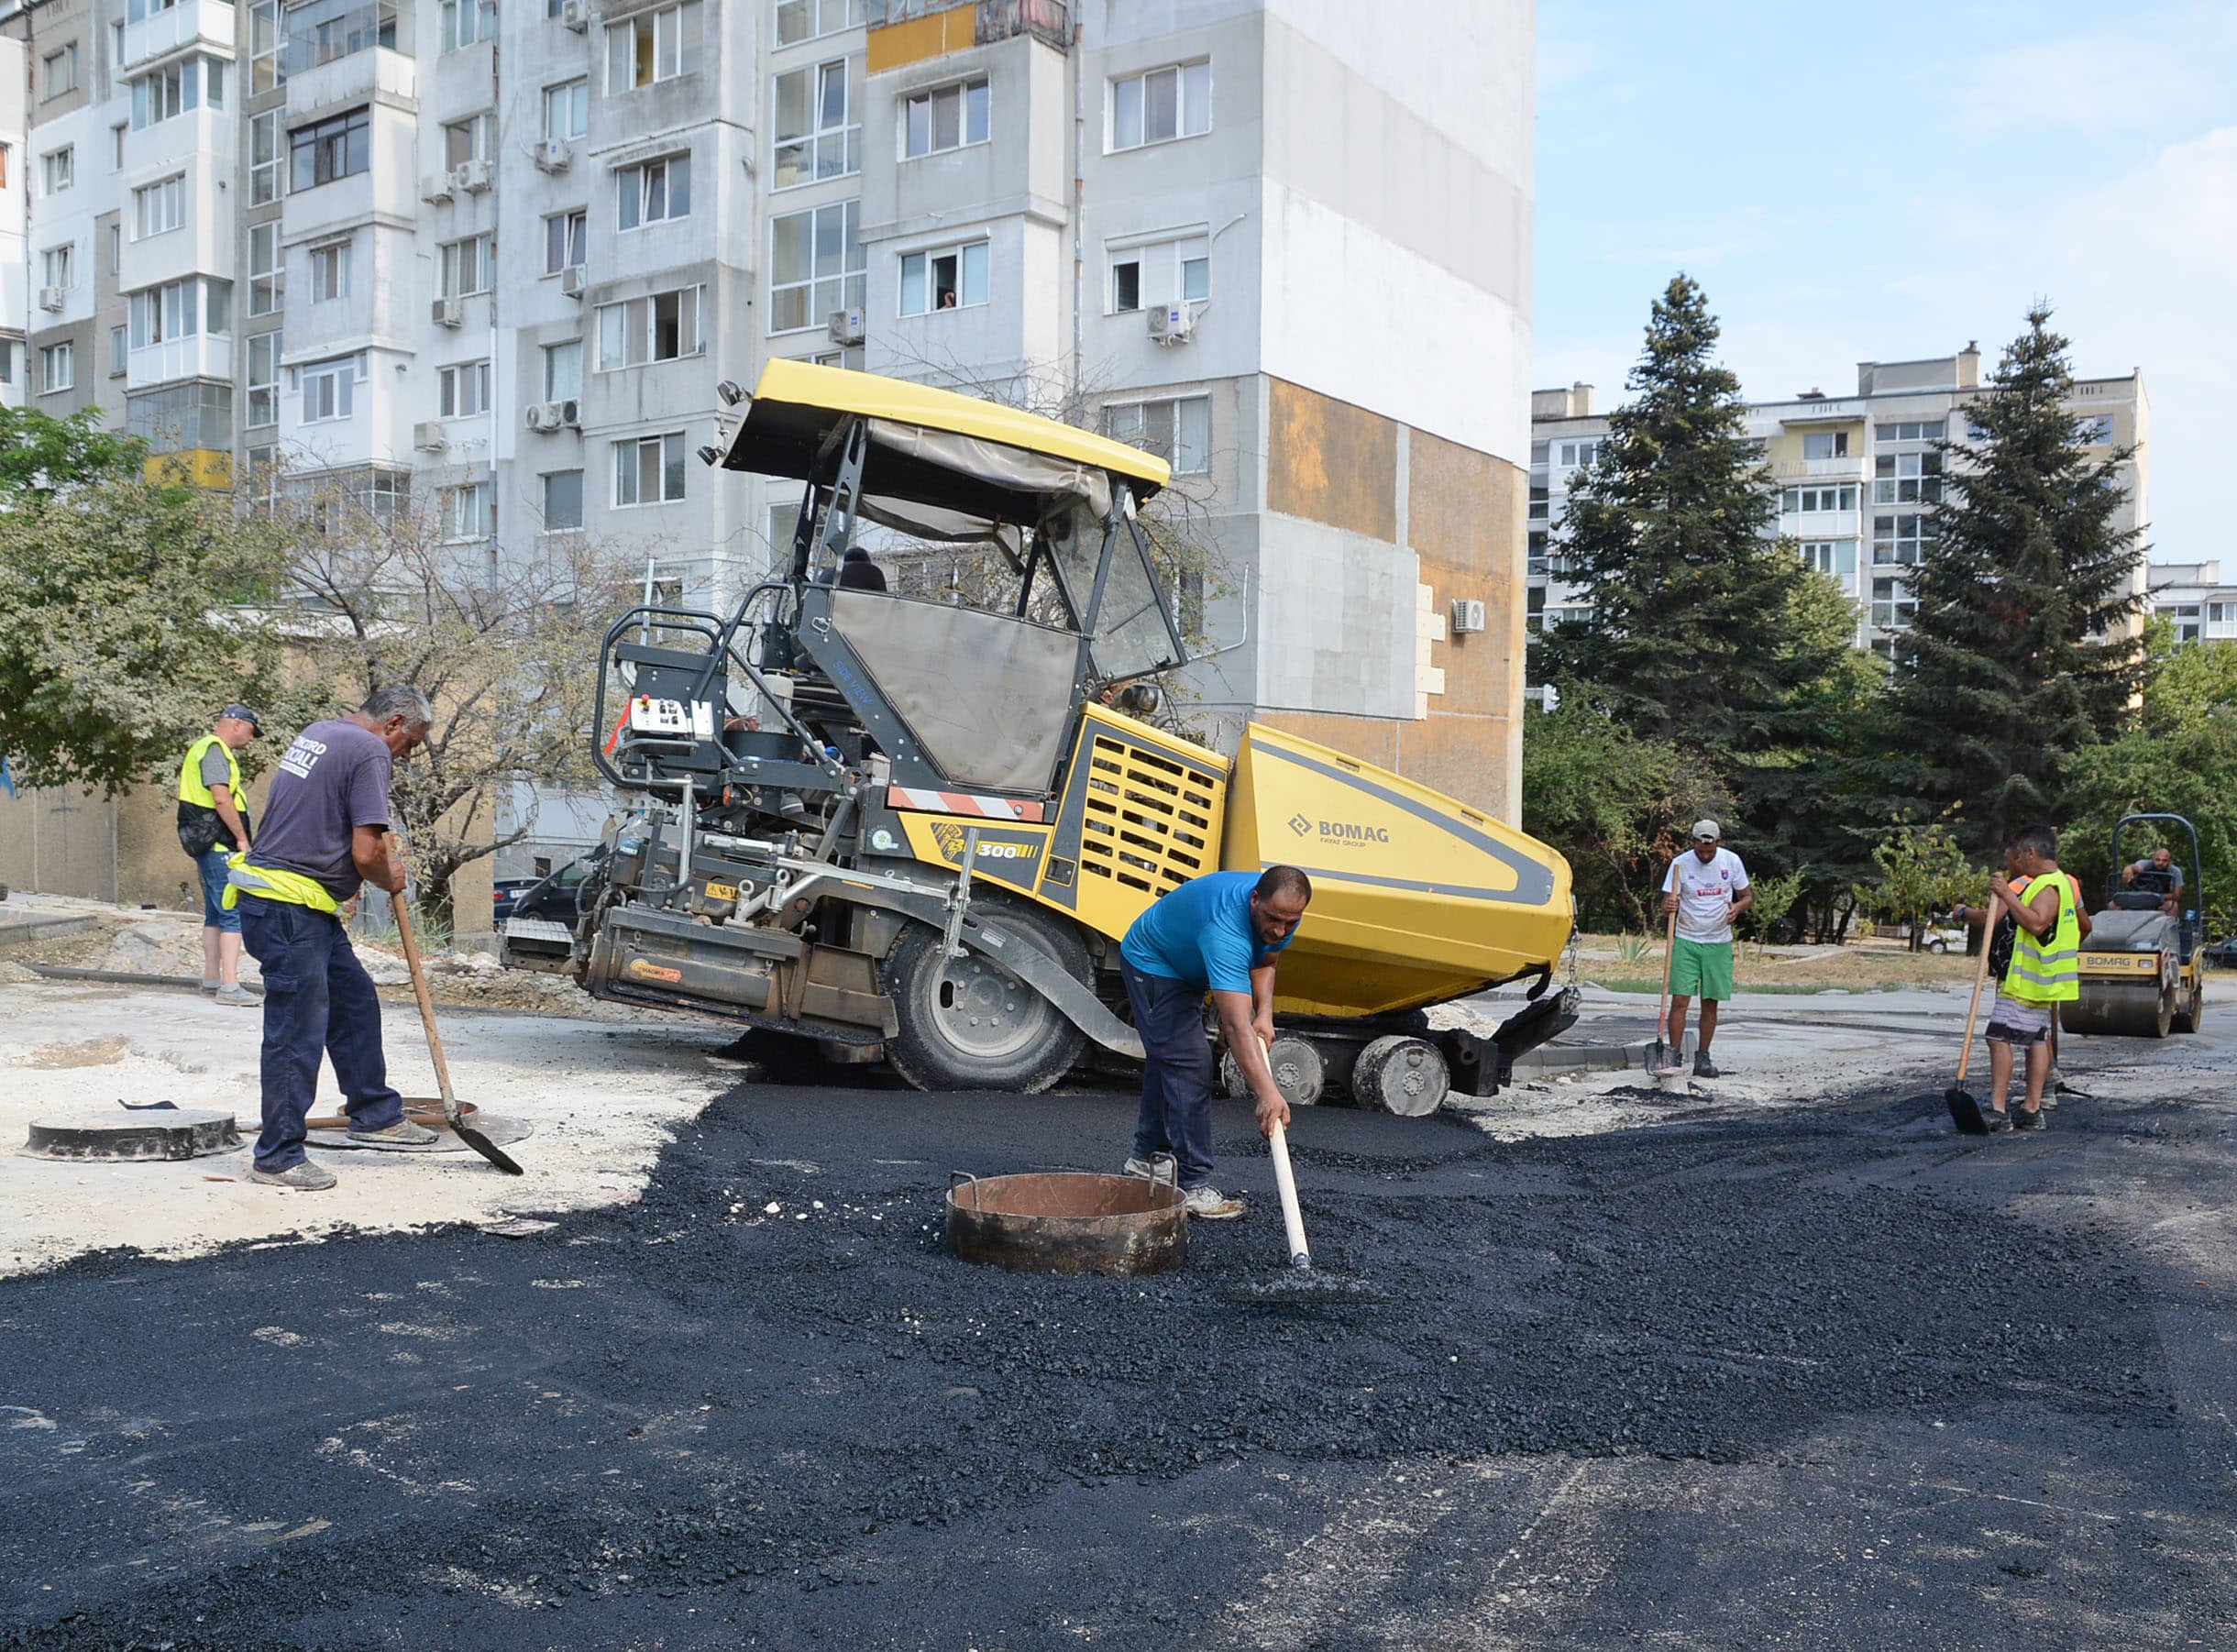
(88,1053)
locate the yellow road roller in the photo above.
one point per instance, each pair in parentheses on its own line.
(2143,972)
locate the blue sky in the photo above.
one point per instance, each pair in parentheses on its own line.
(1891,180)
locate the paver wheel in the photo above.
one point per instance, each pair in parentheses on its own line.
(967,1023)
(2193,1008)
(1404,1075)
(1299,1073)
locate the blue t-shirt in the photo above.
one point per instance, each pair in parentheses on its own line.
(333,778)
(1200,933)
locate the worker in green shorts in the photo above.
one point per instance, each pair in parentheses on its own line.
(1707,890)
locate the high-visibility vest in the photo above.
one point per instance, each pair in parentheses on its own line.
(270,883)
(2047,969)
(190,787)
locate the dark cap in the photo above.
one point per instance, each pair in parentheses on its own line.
(244,714)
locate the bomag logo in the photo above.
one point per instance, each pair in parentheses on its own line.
(1352,831)
(1300,825)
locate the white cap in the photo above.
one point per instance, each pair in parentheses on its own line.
(1706,829)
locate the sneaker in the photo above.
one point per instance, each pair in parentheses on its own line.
(1995,1120)
(209,989)
(1139,1167)
(238,997)
(2025,1120)
(403,1133)
(306,1177)
(1208,1204)
(1703,1067)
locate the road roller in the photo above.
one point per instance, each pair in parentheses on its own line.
(2143,972)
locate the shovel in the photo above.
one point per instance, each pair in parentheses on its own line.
(1662,1060)
(458,1127)
(1965,1110)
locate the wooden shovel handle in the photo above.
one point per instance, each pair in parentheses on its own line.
(1980,976)
(426,1004)
(1670,957)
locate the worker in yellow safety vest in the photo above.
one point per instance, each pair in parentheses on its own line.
(2044,971)
(213,823)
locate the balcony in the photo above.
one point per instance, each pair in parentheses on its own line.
(201,356)
(908,31)
(204,22)
(1847,469)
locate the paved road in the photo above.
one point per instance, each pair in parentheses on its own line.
(1749,1376)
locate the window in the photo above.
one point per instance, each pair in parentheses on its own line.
(1179,431)
(57,268)
(468,513)
(467,21)
(564,234)
(1899,540)
(818,131)
(654,191)
(330,149)
(119,353)
(158,208)
(175,310)
(2221,613)
(61,75)
(1825,445)
(1579,453)
(1835,557)
(468,267)
(1929,430)
(8,362)
(652,46)
(563,371)
(267,274)
(324,31)
(116,247)
(1810,500)
(116,148)
(264,379)
(1892,605)
(462,390)
(474,138)
(267,70)
(175,88)
(328,388)
(1906,478)
(566,109)
(649,471)
(265,164)
(664,326)
(947,118)
(562,500)
(1540,508)
(58,168)
(799,20)
(329,273)
(816,265)
(1161,104)
(1160,273)
(954,278)
(2093,432)
(58,368)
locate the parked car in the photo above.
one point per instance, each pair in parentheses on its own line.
(553,898)
(506,890)
(2222,953)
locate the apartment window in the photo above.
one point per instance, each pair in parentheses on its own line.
(119,354)
(468,267)
(947,118)
(267,68)
(117,148)
(563,371)
(952,278)
(1810,501)
(60,75)
(267,274)
(471,139)
(58,168)
(175,88)
(329,273)
(2216,612)
(1901,539)
(563,234)
(1906,478)
(264,379)
(324,31)
(116,247)
(1574,453)
(331,149)
(1892,605)
(1927,430)
(652,46)
(652,192)
(1540,508)
(562,500)
(1835,557)
(462,390)
(818,127)
(58,368)
(468,513)
(1163,104)
(816,264)
(265,161)
(2093,432)
(1178,431)
(57,268)
(566,109)
(1825,445)
(158,208)
(175,310)
(1160,273)
(663,326)
(466,21)
(649,471)
(799,20)
(328,387)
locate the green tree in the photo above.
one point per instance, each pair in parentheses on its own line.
(2023,651)
(1921,870)
(40,454)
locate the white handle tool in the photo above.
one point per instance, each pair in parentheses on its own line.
(1292,1221)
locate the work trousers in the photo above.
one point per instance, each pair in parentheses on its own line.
(1176,1079)
(318,999)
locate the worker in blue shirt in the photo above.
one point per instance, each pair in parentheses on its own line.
(1218,933)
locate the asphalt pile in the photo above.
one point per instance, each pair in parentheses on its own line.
(756,1402)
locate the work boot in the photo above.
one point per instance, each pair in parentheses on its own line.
(306,1177)
(1208,1204)
(238,996)
(403,1133)
(2025,1120)
(1703,1067)
(1995,1120)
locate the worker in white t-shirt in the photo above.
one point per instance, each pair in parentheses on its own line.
(1707,890)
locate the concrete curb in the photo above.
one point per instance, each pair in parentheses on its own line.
(1552,1059)
(42,929)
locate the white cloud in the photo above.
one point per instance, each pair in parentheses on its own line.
(2154,70)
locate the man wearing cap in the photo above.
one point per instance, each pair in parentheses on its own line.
(213,823)
(1707,890)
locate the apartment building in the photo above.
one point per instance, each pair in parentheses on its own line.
(501,258)
(2194,600)
(1858,477)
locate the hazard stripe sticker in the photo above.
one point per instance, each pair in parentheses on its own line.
(961,803)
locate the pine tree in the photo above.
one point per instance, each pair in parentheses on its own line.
(2024,648)
(1670,536)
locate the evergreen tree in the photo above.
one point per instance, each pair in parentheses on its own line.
(1670,536)
(2024,647)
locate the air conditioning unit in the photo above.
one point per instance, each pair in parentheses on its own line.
(575,14)
(534,415)
(436,190)
(1172,324)
(447,312)
(472,176)
(571,281)
(566,415)
(553,155)
(53,298)
(846,326)
(1467,614)
(427,435)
